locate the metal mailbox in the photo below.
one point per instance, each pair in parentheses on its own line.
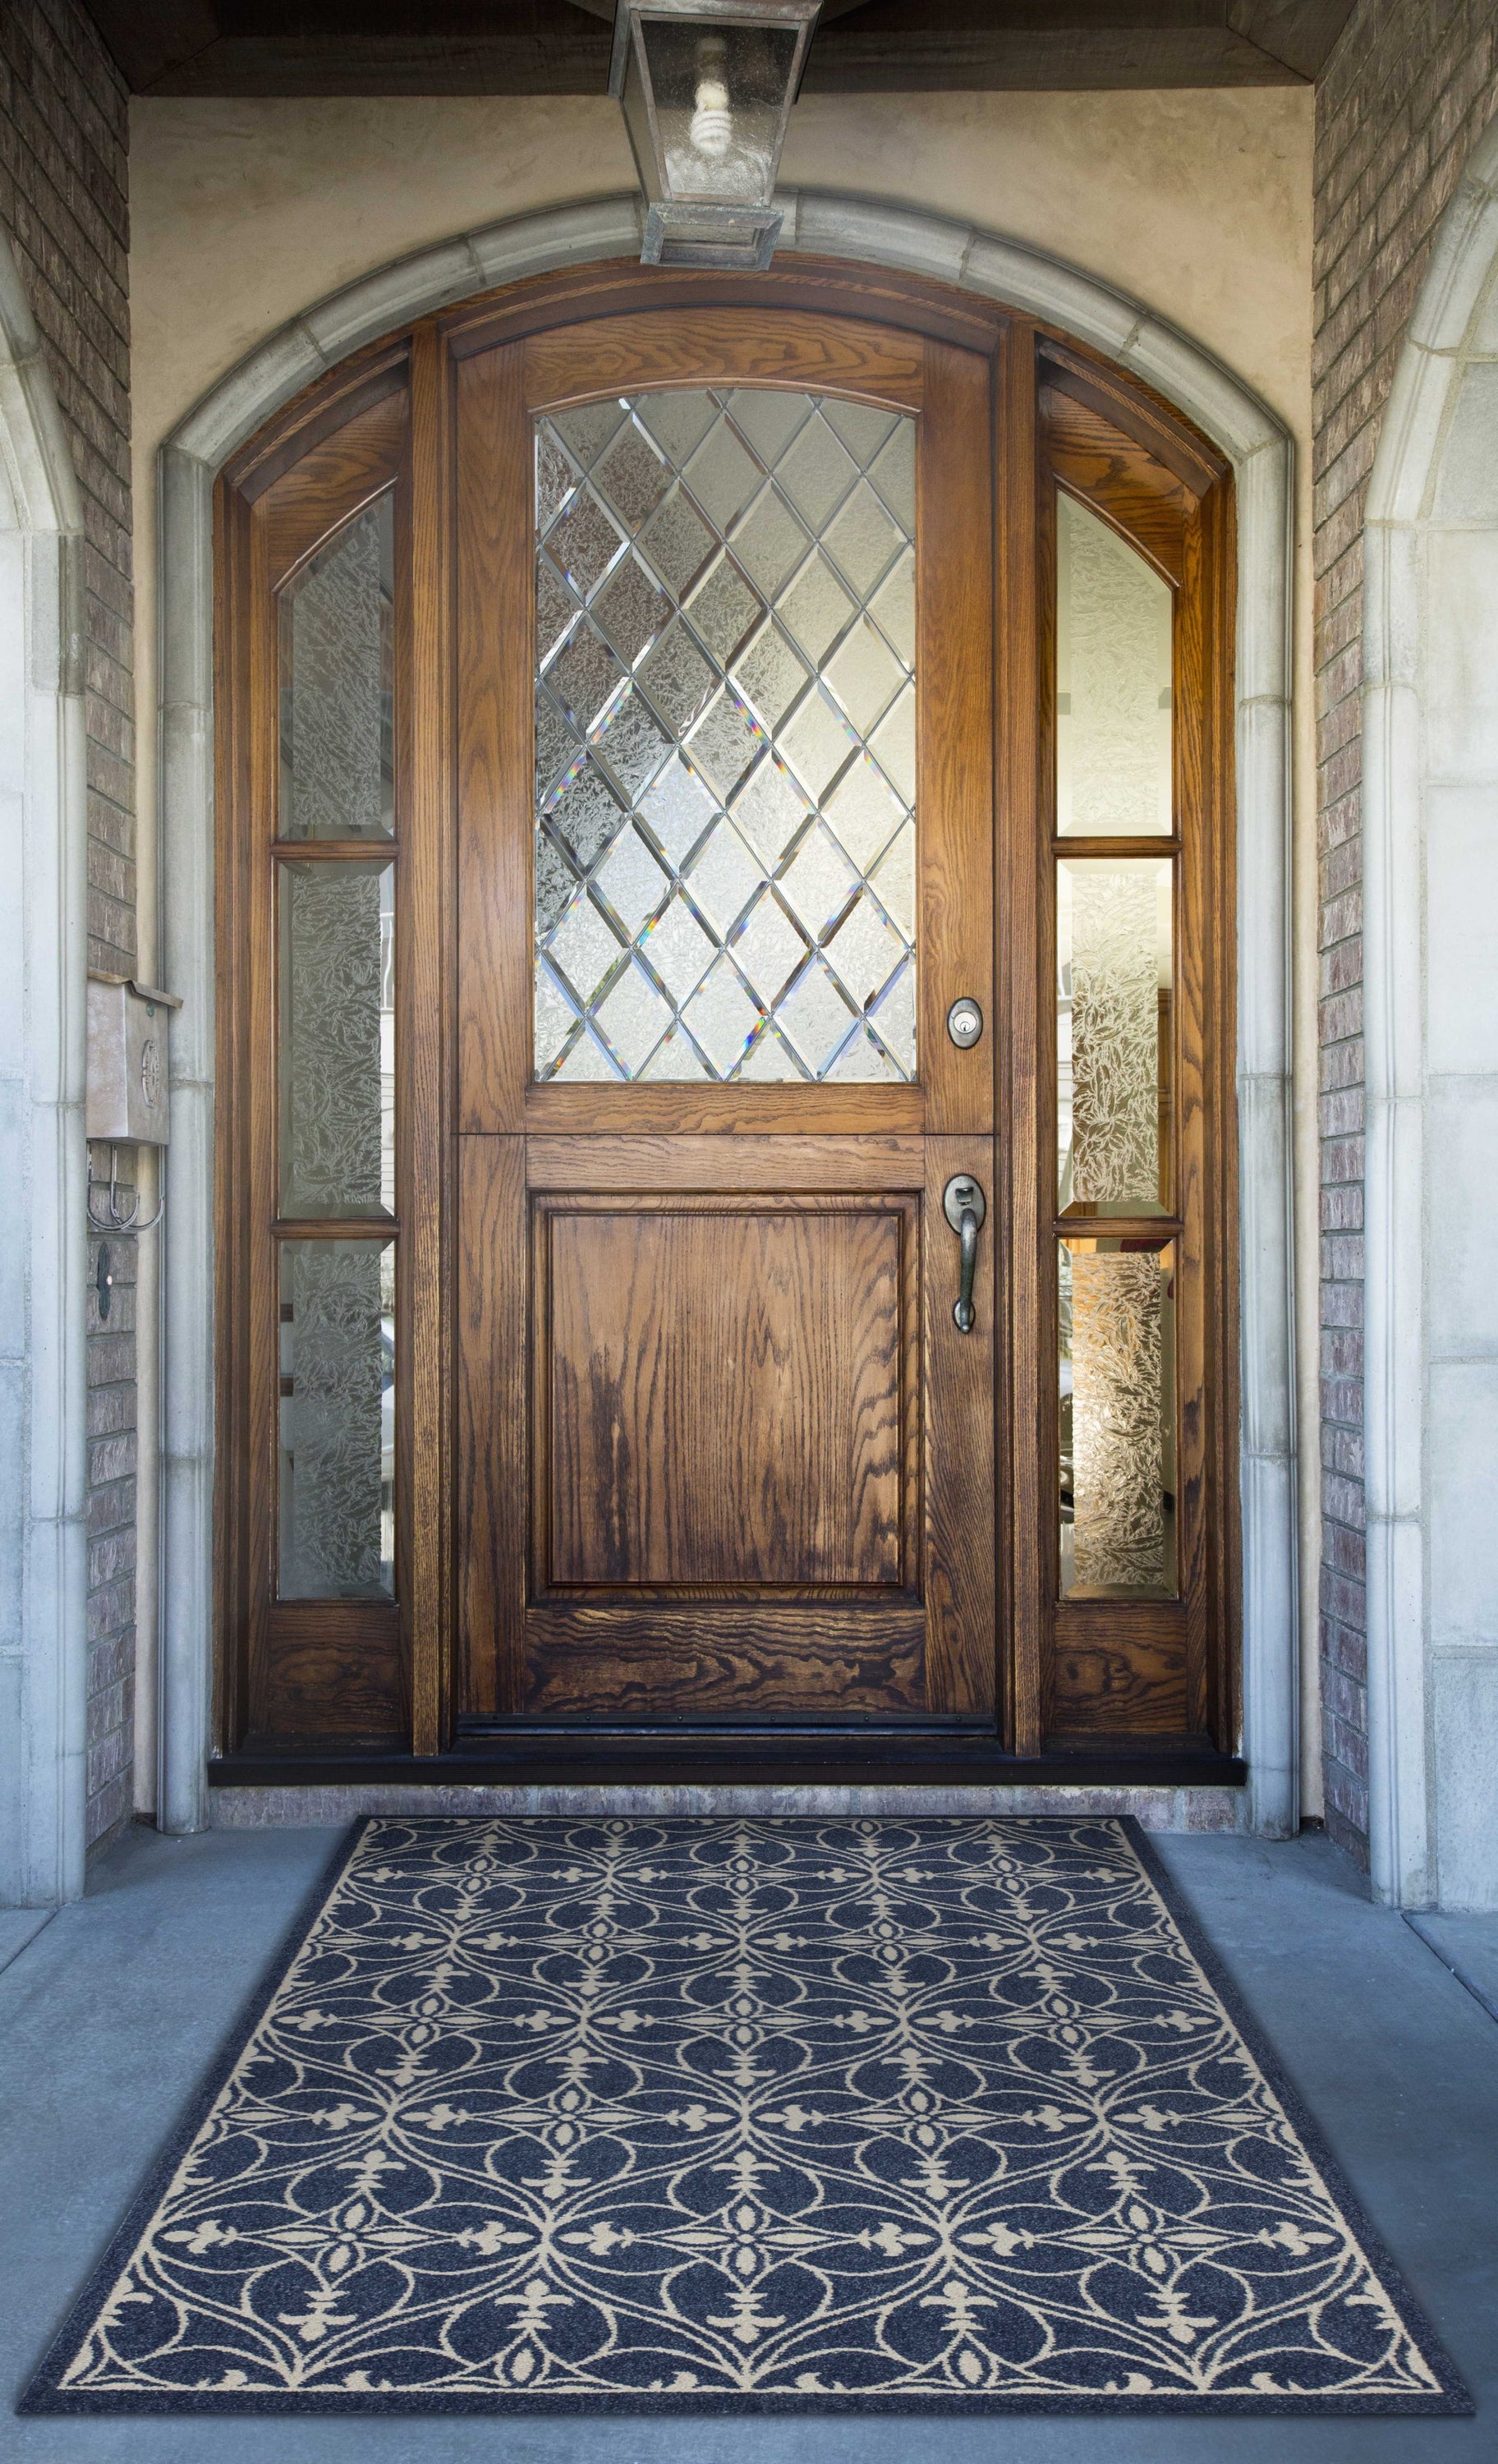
(127,1025)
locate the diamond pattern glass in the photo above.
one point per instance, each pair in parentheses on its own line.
(725,739)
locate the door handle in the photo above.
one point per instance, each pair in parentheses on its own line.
(964,1206)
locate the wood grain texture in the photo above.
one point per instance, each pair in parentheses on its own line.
(723,1394)
(723,346)
(424,978)
(491,1452)
(494,669)
(334,1668)
(801,1110)
(698,1661)
(1120,1667)
(1106,470)
(688,1162)
(335,479)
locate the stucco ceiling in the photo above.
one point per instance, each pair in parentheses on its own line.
(322,47)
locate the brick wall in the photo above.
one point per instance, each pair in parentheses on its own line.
(63,138)
(1409,88)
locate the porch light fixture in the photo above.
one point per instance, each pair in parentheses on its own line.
(706,87)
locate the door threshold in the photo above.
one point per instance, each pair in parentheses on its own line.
(572,1760)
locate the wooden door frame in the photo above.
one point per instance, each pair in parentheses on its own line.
(429,351)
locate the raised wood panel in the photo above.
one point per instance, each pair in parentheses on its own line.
(723,1394)
(1120,1669)
(726,1163)
(682,1660)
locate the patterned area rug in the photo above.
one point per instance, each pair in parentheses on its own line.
(933,2116)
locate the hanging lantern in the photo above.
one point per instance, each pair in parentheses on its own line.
(706,87)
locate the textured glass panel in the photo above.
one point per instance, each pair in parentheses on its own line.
(337,1420)
(337,985)
(1113,683)
(1114,1036)
(1117,1419)
(336,654)
(726,738)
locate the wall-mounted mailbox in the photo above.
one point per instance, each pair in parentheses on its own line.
(127,1024)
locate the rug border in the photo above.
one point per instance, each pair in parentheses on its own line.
(43,2396)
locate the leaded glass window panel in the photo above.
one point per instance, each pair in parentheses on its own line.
(336,703)
(336,984)
(1113,1035)
(1117,1372)
(725,739)
(1114,683)
(337,1420)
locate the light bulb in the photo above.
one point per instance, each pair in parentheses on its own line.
(711,131)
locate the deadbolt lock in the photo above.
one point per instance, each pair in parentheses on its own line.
(964,1021)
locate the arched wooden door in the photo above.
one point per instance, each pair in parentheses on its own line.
(725,1143)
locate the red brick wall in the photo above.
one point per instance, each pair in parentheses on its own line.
(1409,88)
(63,208)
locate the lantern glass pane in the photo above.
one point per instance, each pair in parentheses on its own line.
(721,97)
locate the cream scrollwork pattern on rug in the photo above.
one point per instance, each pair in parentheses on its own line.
(934,2114)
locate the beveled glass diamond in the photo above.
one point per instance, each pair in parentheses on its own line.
(587,813)
(769,948)
(770,674)
(677,543)
(860,427)
(631,477)
(631,881)
(864,952)
(862,811)
(815,1016)
(818,883)
(583,948)
(865,674)
(816,742)
(815,608)
(863,538)
(587,430)
(723,609)
(724,878)
(632,609)
(555,1018)
(632,1018)
(724,742)
(678,421)
(861,1063)
(555,478)
(555,882)
(586,1062)
(893,1019)
(816,474)
(893,474)
(679,678)
(679,949)
(555,608)
(630,741)
(721,1016)
(722,475)
(555,742)
(769,809)
(677,807)
(675,1058)
(585,677)
(892,744)
(893,607)
(768,419)
(895,880)
(769,543)
(770,1060)
(583,543)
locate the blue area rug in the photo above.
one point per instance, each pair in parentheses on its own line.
(943,2116)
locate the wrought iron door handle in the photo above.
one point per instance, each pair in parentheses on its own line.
(963,1204)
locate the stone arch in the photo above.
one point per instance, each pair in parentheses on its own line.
(43,1241)
(1430,852)
(836,225)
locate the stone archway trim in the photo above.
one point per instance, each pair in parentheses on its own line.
(43,1241)
(830,225)
(1401,1789)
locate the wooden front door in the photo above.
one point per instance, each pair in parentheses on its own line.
(723,670)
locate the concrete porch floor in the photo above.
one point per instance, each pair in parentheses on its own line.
(110,2010)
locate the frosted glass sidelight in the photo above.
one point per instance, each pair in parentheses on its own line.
(1117,1419)
(1113,1035)
(336,986)
(1113,683)
(337,656)
(337,1420)
(726,729)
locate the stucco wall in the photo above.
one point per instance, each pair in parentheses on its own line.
(1198,203)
